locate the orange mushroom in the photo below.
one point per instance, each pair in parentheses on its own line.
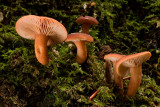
(86,22)
(80,40)
(134,64)
(114,58)
(108,67)
(46,31)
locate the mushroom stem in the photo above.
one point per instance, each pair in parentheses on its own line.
(108,72)
(81,51)
(85,28)
(118,80)
(41,48)
(135,80)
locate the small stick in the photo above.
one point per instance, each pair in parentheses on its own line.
(93,95)
(127,78)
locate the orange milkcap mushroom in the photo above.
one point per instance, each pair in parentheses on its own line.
(46,31)
(134,64)
(86,22)
(114,58)
(108,67)
(80,40)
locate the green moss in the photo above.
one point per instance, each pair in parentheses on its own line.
(105,96)
(126,26)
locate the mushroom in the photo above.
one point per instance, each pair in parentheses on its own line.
(108,68)
(134,64)
(46,31)
(86,22)
(114,58)
(80,40)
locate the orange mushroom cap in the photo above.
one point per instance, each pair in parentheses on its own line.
(131,61)
(113,57)
(87,19)
(86,22)
(31,25)
(79,37)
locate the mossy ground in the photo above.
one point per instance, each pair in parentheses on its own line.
(126,26)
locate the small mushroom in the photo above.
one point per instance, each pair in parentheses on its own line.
(86,22)
(46,31)
(134,64)
(114,58)
(80,40)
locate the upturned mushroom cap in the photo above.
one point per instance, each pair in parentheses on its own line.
(113,57)
(131,61)
(30,25)
(87,19)
(79,37)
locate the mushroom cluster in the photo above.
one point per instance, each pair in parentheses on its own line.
(47,31)
(124,64)
(81,39)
